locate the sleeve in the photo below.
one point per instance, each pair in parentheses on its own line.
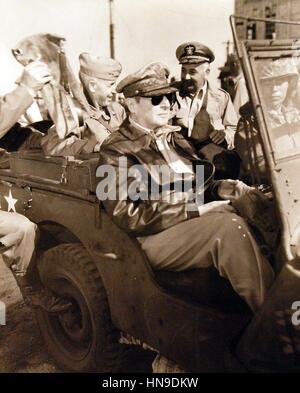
(230,122)
(139,217)
(241,96)
(12,107)
(52,145)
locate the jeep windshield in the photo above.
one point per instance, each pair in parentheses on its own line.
(277,83)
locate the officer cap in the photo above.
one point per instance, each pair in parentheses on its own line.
(151,80)
(99,67)
(194,53)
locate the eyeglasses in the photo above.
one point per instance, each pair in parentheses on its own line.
(156,100)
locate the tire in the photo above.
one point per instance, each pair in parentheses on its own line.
(83,338)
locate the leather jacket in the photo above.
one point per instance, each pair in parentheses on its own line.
(146,217)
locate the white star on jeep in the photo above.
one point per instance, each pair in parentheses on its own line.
(11,202)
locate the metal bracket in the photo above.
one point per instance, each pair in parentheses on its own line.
(63,178)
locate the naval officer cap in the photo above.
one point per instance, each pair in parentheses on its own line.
(99,67)
(194,53)
(149,81)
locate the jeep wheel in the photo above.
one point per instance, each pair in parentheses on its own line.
(82,338)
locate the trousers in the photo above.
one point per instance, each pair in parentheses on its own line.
(219,239)
(17,237)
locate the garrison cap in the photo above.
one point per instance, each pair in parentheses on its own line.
(99,67)
(194,53)
(151,80)
(280,68)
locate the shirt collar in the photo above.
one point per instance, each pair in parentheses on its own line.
(139,127)
(99,112)
(203,90)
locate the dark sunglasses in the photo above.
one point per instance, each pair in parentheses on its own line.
(156,100)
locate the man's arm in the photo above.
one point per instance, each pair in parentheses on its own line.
(14,104)
(12,107)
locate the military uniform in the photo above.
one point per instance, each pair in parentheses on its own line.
(210,109)
(94,131)
(17,233)
(13,136)
(217,112)
(17,237)
(241,96)
(173,237)
(12,107)
(96,123)
(283,121)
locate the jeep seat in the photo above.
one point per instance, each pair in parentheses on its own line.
(69,173)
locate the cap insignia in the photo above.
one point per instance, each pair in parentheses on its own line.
(189,50)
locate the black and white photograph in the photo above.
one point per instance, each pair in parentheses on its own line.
(149,190)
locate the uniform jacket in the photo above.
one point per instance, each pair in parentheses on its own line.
(94,131)
(145,217)
(12,107)
(217,112)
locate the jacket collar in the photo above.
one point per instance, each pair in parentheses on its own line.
(136,134)
(143,139)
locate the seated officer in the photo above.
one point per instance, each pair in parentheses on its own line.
(172,234)
(206,113)
(98,76)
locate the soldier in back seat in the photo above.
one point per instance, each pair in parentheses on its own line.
(98,76)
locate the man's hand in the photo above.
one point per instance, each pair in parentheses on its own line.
(217,136)
(35,76)
(215,207)
(232,189)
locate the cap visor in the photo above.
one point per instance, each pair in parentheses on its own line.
(195,60)
(158,92)
(274,77)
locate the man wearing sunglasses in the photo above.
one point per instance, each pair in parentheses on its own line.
(175,233)
(205,112)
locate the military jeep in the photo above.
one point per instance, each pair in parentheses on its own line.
(193,318)
(84,257)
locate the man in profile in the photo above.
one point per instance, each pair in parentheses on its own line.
(100,117)
(172,234)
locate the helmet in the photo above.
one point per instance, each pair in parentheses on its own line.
(279,68)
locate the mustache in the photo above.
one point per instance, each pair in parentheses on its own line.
(188,86)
